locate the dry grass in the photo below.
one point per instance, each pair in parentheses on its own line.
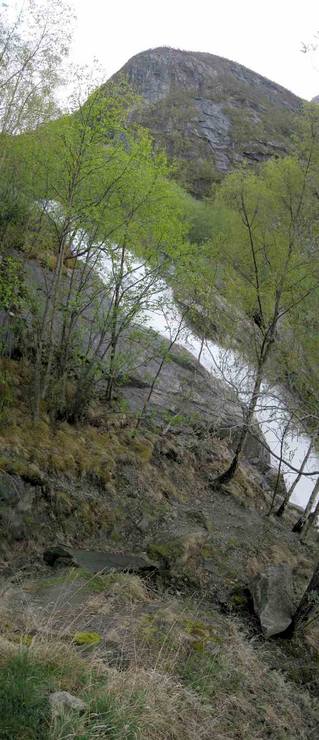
(138,703)
(32,449)
(259,703)
(29,448)
(231,678)
(191,675)
(126,588)
(312,637)
(170,710)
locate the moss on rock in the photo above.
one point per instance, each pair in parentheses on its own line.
(87,639)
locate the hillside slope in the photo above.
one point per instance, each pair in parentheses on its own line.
(168,648)
(209,112)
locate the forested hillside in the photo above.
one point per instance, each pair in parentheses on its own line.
(157,579)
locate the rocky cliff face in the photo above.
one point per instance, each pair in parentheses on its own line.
(209,112)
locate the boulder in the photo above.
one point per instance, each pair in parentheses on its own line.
(256,450)
(58,555)
(62,702)
(97,561)
(272,592)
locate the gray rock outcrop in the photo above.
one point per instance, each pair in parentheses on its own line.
(209,111)
(272,592)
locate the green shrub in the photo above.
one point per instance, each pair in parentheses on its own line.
(12,289)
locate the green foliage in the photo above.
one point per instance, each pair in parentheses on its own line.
(74,190)
(34,40)
(197,176)
(115,197)
(202,220)
(265,243)
(11,284)
(113,191)
(14,193)
(257,210)
(12,299)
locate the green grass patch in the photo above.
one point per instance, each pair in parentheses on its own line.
(107,716)
(24,689)
(25,686)
(201,672)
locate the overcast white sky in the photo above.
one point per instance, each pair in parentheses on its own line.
(265,36)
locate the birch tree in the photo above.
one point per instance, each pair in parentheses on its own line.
(34,41)
(270,250)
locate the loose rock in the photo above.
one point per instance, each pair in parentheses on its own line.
(272,592)
(62,701)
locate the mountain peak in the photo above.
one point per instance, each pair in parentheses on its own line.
(209,112)
(178,64)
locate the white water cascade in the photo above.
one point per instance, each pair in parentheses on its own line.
(272,411)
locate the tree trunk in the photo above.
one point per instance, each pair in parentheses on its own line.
(264,353)
(290,491)
(114,324)
(231,470)
(311,521)
(299,525)
(111,378)
(308,608)
(160,367)
(53,307)
(272,504)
